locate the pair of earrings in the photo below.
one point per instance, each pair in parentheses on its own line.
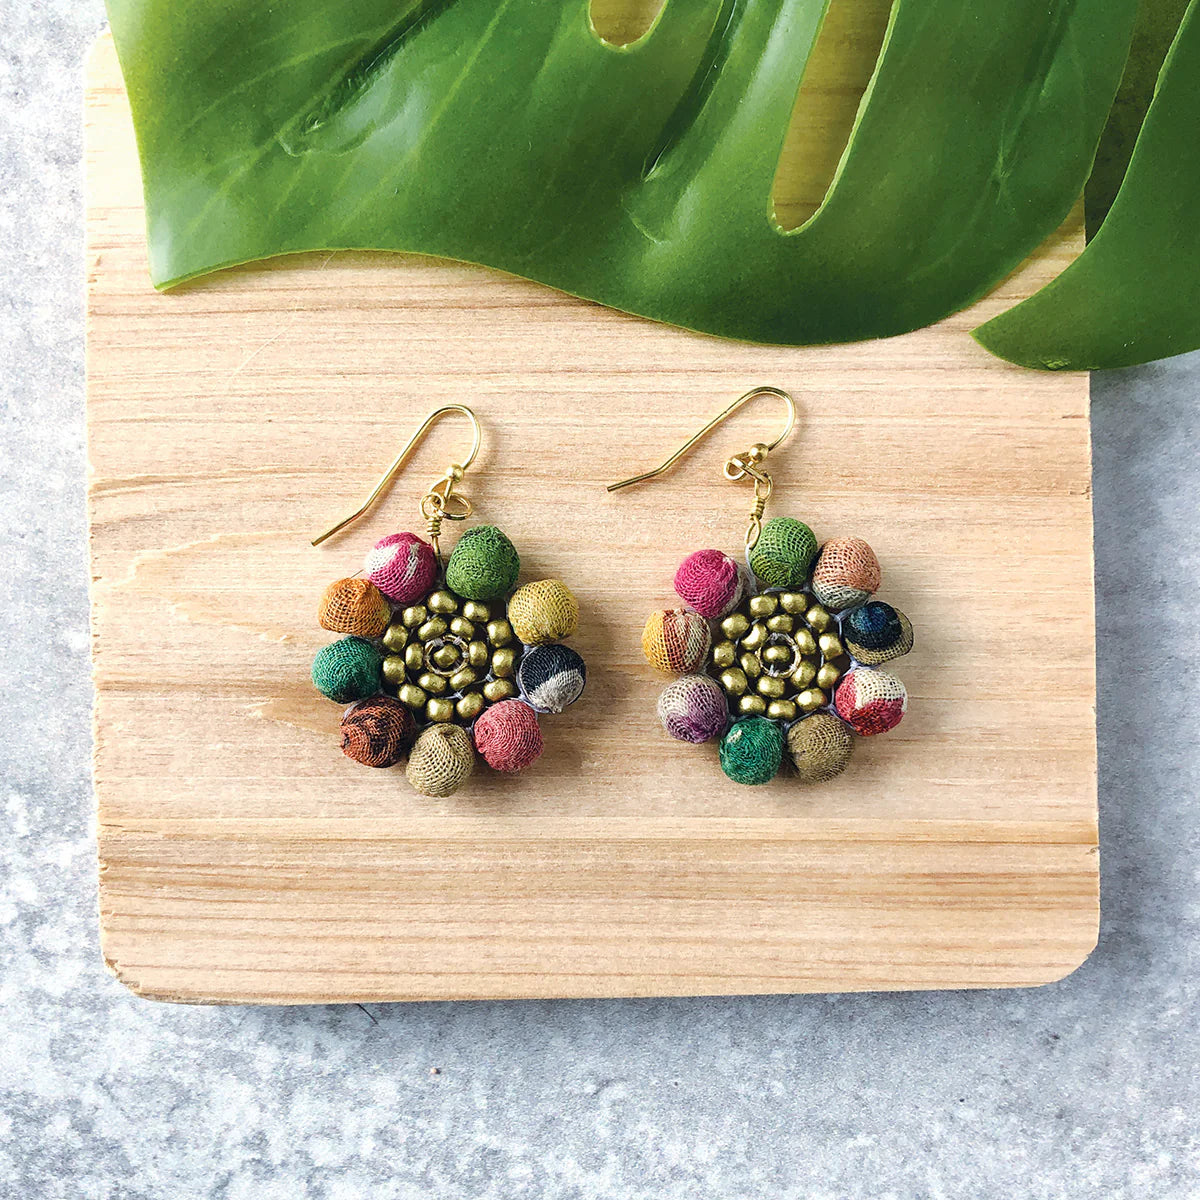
(777,660)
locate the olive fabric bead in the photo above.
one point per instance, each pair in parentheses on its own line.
(441,760)
(752,751)
(484,565)
(820,747)
(347,670)
(784,552)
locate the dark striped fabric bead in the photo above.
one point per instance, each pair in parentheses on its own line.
(376,732)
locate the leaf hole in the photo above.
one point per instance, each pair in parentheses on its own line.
(837,74)
(622,22)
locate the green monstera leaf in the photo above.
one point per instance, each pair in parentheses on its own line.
(506,132)
(1153,32)
(1133,295)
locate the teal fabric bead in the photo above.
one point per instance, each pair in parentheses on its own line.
(752,750)
(783,555)
(348,670)
(484,565)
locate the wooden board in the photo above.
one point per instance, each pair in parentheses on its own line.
(242,858)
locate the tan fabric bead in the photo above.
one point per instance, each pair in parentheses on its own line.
(441,760)
(820,747)
(356,607)
(846,573)
(543,612)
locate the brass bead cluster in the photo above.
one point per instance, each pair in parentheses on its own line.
(449,658)
(778,655)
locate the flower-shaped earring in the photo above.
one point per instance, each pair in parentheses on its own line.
(784,654)
(438,663)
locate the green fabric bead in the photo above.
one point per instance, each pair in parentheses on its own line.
(484,565)
(752,750)
(347,670)
(783,555)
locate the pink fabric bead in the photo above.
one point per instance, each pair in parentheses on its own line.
(402,567)
(507,735)
(709,580)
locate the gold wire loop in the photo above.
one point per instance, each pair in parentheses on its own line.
(445,501)
(764,485)
(441,502)
(747,465)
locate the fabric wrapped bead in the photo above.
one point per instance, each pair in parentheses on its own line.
(347,670)
(354,606)
(784,552)
(820,747)
(376,731)
(484,565)
(676,641)
(846,573)
(542,612)
(752,751)
(693,709)
(552,677)
(402,567)
(877,633)
(870,702)
(508,737)
(441,760)
(709,580)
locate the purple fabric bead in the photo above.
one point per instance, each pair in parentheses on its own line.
(693,709)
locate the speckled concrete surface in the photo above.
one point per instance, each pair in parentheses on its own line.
(1086,1089)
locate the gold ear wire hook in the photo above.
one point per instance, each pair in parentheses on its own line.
(441,501)
(740,466)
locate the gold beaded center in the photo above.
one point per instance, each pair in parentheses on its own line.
(449,658)
(778,655)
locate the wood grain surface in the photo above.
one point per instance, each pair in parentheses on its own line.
(243,859)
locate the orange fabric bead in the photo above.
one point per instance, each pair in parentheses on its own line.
(354,606)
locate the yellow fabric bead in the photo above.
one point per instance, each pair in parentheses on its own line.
(676,641)
(543,612)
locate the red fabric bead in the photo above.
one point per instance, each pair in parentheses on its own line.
(508,737)
(710,582)
(870,701)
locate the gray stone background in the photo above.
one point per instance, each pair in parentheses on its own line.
(1084,1089)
